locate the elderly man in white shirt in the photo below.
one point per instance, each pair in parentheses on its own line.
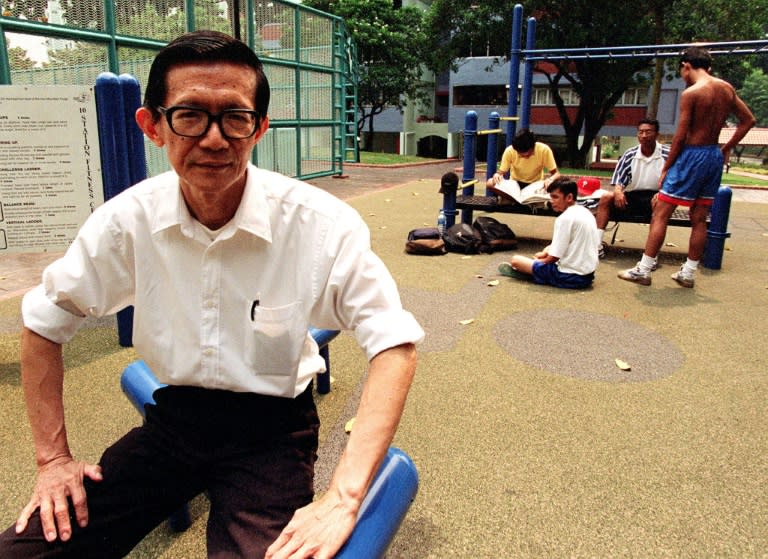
(227,266)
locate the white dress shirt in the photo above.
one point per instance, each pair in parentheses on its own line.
(230,312)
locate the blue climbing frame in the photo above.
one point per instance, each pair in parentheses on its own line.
(717,231)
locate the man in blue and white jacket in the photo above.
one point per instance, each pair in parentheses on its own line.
(635,181)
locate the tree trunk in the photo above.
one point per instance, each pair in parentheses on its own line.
(658,73)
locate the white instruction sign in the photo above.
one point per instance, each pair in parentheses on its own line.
(50,171)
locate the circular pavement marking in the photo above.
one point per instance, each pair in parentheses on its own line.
(586,345)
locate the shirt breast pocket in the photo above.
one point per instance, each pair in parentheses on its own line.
(274,339)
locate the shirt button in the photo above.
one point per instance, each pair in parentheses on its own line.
(209,304)
(208,352)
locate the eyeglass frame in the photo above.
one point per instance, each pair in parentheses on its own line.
(168,113)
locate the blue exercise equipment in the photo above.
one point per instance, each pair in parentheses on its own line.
(121,144)
(323,338)
(381,513)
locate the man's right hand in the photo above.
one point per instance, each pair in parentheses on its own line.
(57,481)
(619,198)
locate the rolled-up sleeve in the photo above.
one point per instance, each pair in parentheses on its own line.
(44,317)
(388,329)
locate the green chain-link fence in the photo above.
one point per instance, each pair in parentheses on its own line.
(308,56)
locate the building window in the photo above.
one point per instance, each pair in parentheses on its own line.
(475,95)
(543,96)
(634,96)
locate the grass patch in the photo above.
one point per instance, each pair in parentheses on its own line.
(728,178)
(376,158)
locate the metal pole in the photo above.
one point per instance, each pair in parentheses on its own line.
(493,142)
(470,141)
(718,229)
(514,70)
(236,19)
(530,43)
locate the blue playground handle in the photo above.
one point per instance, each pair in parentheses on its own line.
(381,513)
(323,338)
(384,507)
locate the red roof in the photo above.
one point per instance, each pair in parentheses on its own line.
(755,137)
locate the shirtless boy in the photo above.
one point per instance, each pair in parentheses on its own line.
(691,174)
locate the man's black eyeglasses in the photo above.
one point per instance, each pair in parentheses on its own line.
(191,122)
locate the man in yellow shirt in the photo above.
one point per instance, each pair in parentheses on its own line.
(525,160)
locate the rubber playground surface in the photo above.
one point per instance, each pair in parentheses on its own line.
(529,439)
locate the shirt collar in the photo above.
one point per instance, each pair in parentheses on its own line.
(655,155)
(252,215)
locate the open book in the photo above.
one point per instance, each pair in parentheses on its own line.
(535,194)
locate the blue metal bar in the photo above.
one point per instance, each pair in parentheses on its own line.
(525,102)
(718,229)
(137,161)
(384,507)
(656,51)
(470,150)
(322,338)
(514,70)
(493,143)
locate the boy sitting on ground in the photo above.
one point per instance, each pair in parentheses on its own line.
(571,259)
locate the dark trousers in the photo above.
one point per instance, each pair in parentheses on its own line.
(253,455)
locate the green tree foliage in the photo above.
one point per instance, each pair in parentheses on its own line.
(18,59)
(575,23)
(389,46)
(690,21)
(25,9)
(461,28)
(755,94)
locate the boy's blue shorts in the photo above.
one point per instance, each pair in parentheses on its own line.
(694,177)
(548,274)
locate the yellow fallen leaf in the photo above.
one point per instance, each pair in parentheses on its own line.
(493,283)
(479,276)
(671,244)
(415,193)
(348,426)
(383,227)
(371,214)
(623,365)
(387,199)
(466,321)
(467,257)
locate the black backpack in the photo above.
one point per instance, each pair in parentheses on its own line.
(494,235)
(462,238)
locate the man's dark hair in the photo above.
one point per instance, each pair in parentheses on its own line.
(524,141)
(565,186)
(652,121)
(203,46)
(697,57)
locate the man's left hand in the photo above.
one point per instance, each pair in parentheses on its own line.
(316,531)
